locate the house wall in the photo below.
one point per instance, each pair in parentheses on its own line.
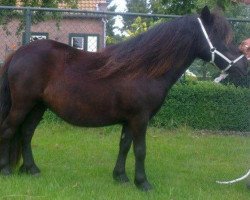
(60,31)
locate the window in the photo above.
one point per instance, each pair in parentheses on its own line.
(77,42)
(36,36)
(84,41)
(92,43)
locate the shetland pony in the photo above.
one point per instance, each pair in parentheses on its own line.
(123,84)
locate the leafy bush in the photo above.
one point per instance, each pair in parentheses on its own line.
(206,105)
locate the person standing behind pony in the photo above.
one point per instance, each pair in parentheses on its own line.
(245,48)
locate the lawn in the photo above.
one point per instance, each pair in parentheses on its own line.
(77,163)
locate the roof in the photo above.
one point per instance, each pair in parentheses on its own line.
(87,4)
(83,4)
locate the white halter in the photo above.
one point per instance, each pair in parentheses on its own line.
(214,51)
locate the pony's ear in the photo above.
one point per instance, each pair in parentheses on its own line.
(206,15)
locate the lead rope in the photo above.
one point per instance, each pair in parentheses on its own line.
(221,77)
(235,180)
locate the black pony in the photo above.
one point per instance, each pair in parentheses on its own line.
(124,84)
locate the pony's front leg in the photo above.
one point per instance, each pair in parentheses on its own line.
(119,173)
(139,141)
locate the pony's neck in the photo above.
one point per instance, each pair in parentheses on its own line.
(173,75)
(186,52)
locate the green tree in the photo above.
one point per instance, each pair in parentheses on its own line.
(137,27)
(177,7)
(7,15)
(140,6)
(241,29)
(112,37)
(222,4)
(7,2)
(135,6)
(40,3)
(182,7)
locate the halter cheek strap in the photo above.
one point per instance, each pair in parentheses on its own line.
(214,52)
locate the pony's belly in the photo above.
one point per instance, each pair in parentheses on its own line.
(89,118)
(91,122)
(86,115)
(82,110)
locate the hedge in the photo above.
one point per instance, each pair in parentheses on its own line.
(201,105)
(206,105)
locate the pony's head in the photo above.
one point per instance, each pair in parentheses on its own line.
(216,44)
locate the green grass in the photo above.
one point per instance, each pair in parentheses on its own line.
(77,163)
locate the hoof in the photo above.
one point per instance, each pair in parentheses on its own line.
(5,171)
(122,178)
(32,170)
(144,186)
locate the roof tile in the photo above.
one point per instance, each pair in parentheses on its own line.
(85,4)
(82,4)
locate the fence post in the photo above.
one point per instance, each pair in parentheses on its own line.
(27,31)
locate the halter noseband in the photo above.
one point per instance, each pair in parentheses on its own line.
(214,52)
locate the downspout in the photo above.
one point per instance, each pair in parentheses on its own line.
(104,31)
(103,7)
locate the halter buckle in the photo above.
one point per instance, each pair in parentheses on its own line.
(212,50)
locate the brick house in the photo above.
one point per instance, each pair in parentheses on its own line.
(76,29)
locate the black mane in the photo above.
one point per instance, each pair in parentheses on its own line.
(160,48)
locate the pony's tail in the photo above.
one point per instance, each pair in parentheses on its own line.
(5,105)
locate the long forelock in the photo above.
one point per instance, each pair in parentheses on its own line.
(221,27)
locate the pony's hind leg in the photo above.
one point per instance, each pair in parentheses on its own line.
(27,132)
(9,145)
(5,168)
(119,173)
